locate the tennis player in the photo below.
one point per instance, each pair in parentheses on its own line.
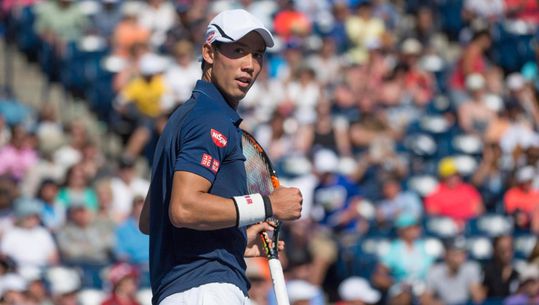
(201,220)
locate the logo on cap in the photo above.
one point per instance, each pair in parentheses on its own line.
(218,138)
(210,37)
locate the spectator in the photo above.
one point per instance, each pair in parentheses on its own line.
(106,20)
(474,114)
(455,280)
(128,32)
(528,291)
(83,245)
(357,291)
(301,292)
(77,190)
(471,61)
(53,213)
(325,62)
(336,199)
(64,284)
(157,16)
(363,29)
(326,132)
(71,152)
(180,78)
(407,260)
(59,22)
(131,245)
(123,280)
(141,102)
(17,157)
(13,290)
(397,202)
(490,178)
(30,245)
(500,278)
(126,186)
(453,197)
(522,200)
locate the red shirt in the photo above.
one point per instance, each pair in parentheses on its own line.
(516,198)
(113,300)
(460,203)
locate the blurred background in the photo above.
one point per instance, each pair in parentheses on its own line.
(411,127)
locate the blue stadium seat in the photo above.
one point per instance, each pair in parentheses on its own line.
(489,225)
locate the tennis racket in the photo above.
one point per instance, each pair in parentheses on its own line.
(261,178)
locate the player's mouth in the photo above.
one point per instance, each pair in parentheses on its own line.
(244,82)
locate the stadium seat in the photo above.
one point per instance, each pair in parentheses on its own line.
(479,248)
(440,227)
(468,144)
(434,247)
(423,184)
(489,225)
(523,245)
(144,296)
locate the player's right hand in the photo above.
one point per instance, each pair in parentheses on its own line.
(286,203)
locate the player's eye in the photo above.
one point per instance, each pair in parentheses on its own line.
(239,51)
(258,55)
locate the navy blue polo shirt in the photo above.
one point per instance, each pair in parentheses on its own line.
(201,136)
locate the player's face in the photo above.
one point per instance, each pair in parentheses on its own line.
(237,65)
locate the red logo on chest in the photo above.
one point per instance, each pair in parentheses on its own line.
(218,138)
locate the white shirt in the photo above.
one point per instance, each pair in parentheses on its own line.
(158,21)
(180,81)
(28,247)
(123,194)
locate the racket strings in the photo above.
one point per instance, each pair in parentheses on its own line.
(259,178)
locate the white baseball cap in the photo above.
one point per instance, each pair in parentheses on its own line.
(357,288)
(232,25)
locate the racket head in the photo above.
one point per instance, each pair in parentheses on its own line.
(261,178)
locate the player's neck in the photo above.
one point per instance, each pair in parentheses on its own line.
(206,76)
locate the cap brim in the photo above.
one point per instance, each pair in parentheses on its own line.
(266,36)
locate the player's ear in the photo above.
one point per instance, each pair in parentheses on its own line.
(208,53)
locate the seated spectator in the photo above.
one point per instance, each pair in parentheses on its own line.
(181,76)
(19,155)
(407,261)
(490,178)
(14,289)
(83,245)
(29,244)
(472,60)
(77,190)
(357,291)
(474,114)
(522,200)
(528,290)
(109,16)
(325,132)
(453,197)
(141,102)
(132,245)
(53,213)
(363,28)
(59,22)
(301,292)
(123,281)
(455,280)
(336,199)
(157,16)
(128,31)
(71,152)
(397,202)
(500,278)
(125,187)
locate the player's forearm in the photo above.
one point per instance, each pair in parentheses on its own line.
(203,211)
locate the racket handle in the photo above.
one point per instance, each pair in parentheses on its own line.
(279,284)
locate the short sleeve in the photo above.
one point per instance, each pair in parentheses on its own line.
(473,273)
(205,143)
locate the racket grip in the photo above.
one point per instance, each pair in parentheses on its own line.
(279,284)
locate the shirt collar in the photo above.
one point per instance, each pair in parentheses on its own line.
(217,100)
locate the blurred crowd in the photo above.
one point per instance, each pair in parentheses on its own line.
(411,127)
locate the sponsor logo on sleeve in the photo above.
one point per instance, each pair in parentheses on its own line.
(218,138)
(206,160)
(215,166)
(249,199)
